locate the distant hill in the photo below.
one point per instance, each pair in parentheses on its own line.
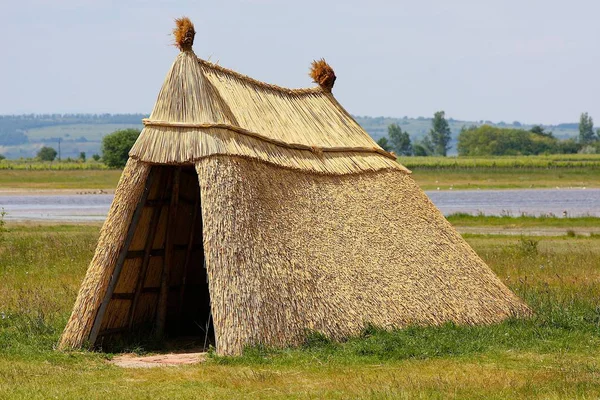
(24,135)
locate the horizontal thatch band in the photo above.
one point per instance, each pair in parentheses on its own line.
(175,146)
(294,146)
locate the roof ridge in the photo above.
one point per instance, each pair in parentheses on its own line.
(256,82)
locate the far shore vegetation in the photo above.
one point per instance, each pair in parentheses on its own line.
(431,173)
(523,221)
(491,140)
(73,134)
(490,156)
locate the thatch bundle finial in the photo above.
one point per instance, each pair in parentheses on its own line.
(184,33)
(322,74)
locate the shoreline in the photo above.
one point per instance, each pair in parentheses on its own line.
(83,191)
(54,192)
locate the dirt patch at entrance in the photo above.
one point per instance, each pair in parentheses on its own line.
(158,360)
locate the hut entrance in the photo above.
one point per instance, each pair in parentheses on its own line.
(160,282)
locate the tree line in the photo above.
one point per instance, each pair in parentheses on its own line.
(484,140)
(488,140)
(436,143)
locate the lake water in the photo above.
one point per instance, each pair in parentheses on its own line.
(76,208)
(576,202)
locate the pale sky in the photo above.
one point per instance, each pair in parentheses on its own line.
(529,60)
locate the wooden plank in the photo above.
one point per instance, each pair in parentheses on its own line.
(161,309)
(113,331)
(122,296)
(147,253)
(121,260)
(158,202)
(158,252)
(186,200)
(186,263)
(130,296)
(167,200)
(142,253)
(134,254)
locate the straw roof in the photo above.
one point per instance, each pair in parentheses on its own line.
(204,110)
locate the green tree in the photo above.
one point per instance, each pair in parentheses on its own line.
(2,157)
(384,143)
(82,156)
(116,146)
(400,141)
(586,129)
(539,130)
(440,134)
(424,147)
(568,146)
(96,157)
(489,140)
(47,154)
(420,150)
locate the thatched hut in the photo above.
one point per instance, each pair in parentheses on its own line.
(267,212)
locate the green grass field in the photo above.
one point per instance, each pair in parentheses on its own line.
(520,172)
(466,220)
(505,178)
(555,161)
(59,179)
(30,165)
(555,354)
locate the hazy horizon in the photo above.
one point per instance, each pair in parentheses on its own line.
(386,117)
(530,62)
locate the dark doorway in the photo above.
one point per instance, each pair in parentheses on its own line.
(162,291)
(188,312)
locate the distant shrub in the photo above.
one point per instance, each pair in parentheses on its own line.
(491,140)
(116,146)
(47,154)
(384,143)
(588,149)
(420,150)
(528,247)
